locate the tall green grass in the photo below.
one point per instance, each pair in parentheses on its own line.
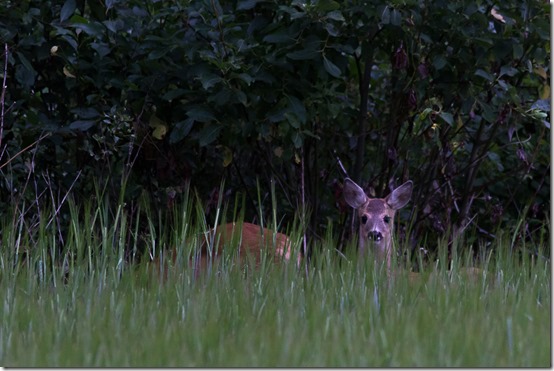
(345,312)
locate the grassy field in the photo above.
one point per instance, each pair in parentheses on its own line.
(113,314)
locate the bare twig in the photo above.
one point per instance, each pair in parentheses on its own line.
(47,180)
(3,96)
(303,208)
(3,102)
(24,150)
(339,163)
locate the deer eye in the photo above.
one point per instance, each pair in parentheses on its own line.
(386,219)
(364,219)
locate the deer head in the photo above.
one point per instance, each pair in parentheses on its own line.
(376,216)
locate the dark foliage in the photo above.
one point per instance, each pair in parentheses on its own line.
(150,95)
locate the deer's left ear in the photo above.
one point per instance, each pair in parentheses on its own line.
(400,196)
(354,195)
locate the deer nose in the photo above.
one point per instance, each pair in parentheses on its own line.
(375,236)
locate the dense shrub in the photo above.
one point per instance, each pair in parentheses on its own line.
(150,95)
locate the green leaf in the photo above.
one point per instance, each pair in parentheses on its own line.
(297,108)
(488,112)
(485,41)
(423,115)
(173,94)
(67,35)
(297,140)
(181,130)
(494,157)
(24,76)
(113,25)
(200,114)
(395,17)
(158,53)
(517,51)
(241,97)
(304,54)
(292,119)
(331,29)
(508,70)
(385,15)
(68,9)
(336,15)
(331,68)
(24,61)
(311,134)
(279,37)
(82,125)
(247,4)
(439,62)
(447,117)
(101,48)
(542,104)
(208,134)
(86,112)
(159,126)
(209,80)
(485,75)
(325,6)
(246,78)
(426,38)
(91,28)
(222,97)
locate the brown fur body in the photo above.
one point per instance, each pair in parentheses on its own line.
(248,242)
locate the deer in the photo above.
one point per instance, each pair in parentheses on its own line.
(376,223)
(376,217)
(252,243)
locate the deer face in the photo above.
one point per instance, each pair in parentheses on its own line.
(376,216)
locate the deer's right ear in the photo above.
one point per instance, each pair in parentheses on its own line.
(400,196)
(354,195)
